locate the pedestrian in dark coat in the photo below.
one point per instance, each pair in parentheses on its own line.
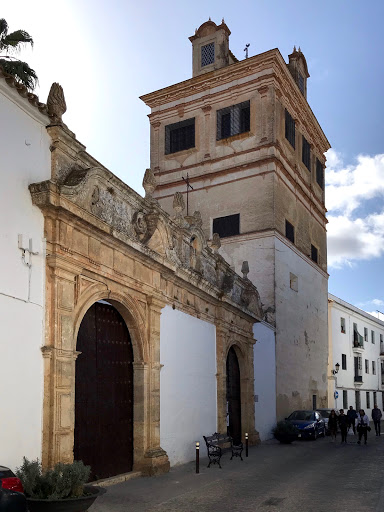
(332,425)
(343,424)
(352,415)
(376,416)
(362,426)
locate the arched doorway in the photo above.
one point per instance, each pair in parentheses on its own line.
(104,393)
(233,395)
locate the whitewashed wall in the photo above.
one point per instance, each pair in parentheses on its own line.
(342,343)
(265,379)
(187,384)
(25,159)
(301,331)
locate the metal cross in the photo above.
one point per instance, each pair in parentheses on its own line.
(189,186)
(246,50)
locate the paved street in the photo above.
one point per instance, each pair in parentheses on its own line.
(306,476)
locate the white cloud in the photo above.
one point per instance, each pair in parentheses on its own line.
(352,237)
(378,302)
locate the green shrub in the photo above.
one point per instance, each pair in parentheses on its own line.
(63,481)
(285,428)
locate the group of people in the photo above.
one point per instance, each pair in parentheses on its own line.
(357,421)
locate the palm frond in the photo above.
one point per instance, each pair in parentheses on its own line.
(3,28)
(21,72)
(15,40)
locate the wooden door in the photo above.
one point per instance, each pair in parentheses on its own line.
(234,396)
(104,393)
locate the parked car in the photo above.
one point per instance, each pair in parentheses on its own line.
(12,497)
(325,415)
(310,424)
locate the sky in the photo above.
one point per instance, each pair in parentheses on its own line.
(107,54)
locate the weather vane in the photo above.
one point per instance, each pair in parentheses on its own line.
(246,50)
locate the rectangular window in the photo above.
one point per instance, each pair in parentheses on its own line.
(290,231)
(343,361)
(290,133)
(207,54)
(227,226)
(306,154)
(357,400)
(179,136)
(345,399)
(342,325)
(314,402)
(366,366)
(373,336)
(381,338)
(373,368)
(233,120)
(374,398)
(368,400)
(314,254)
(319,173)
(365,333)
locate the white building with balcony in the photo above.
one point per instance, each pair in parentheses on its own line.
(356,357)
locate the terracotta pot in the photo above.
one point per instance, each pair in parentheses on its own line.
(67,505)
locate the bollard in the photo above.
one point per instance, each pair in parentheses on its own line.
(246,444)
(197,457)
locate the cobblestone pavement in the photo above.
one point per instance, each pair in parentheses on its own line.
(306,476)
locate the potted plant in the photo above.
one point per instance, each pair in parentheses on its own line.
(61,489)
(285,432)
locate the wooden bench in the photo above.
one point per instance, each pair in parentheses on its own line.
(217,443)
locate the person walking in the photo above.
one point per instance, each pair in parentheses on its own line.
(376,416)
(343,424)
(352,415)
(332,425)
(362,426)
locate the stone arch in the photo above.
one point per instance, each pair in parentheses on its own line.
(127,308)
(134,319)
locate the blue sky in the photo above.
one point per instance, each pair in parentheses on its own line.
(107,54)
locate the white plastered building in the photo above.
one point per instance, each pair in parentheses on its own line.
(356,345)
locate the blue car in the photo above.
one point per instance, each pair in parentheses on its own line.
(309,423)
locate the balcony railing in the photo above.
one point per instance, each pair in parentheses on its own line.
(358,378)
(358,340)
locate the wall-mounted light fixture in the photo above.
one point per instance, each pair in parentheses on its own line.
(337,366)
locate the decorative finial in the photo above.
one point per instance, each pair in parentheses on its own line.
(216,243)
(178,203)
(222,21)
(149,183)
(209,19)
(245,269)
(294,49)
(56,105)
(299,50)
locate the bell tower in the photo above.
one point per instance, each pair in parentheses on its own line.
(254,154)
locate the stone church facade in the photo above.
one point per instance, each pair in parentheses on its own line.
(103,246)
(245,138)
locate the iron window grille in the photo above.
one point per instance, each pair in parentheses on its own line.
(345,399)
(290,231)
(300,82)
(306,154)
(368,400)
(290,133)
(357,400)
(207,54)
(366,366)
(179,136)
(319,173)
(343,361)
(314,254)
(227,226)
(233,120)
